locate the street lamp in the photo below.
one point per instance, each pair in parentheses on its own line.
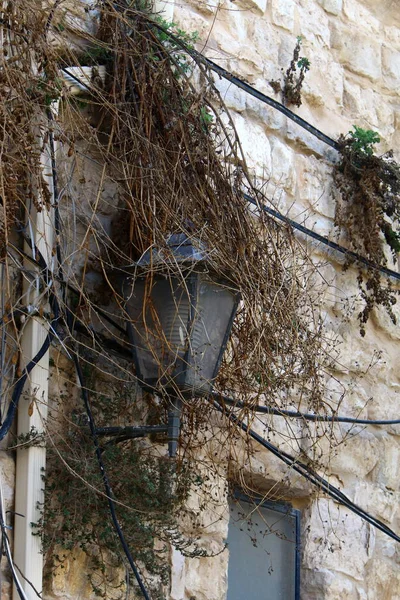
(180,317)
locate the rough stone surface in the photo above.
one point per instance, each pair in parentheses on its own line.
(283,13)
(366,107)
(357,13)
(314,26)
(354,50)
(257,5)
(282,164)
(333,7)
(391,67)
(338,540)
(255,145)
(357,51)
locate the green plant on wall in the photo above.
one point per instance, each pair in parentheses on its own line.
(151,490)
(170,147)
(294,77)
(363,140)
(368,210)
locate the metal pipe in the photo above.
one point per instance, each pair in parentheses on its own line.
(174,426)
(130,431)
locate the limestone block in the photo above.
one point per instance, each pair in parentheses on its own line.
(387,472)
(368,108)
(333,7)
(250,63)
(88,183)
(323,84)
(314,26)
(205,579)
(383,399)
(234,24)
(266,40)
(326,584)
(191,21)
(393,36)
(384,322)
(287,43)
(259,6)
(357,453)
(283,433)
(256,146)
(335,539)
(283,173)
(233,97)
(283,13)
(314,183)
(206,6)
(304,139)
(382,503)
(387,11)
(382,579)
(177,575)
(268,117)
(391,67)
(357,353)
(247,63)
(358,52)
(269,475)
(361,16)
(327,121)
(71,581)
(318,223)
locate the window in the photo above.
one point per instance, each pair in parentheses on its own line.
(263,542)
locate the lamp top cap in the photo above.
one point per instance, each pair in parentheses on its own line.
(179,248)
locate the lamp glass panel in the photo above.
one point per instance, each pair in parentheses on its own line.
(159,313)
(179,333)
(214,310)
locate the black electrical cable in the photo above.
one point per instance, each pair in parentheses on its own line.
(84,392)
(280,412)
(74,291)
(8,421)
(56,195)
(248,88)
(322,239)
(266,100)
(302,123)
(309,473)
(271,211)
(269,410)
(238,83)
(107,487)
(19,386)
(5,551)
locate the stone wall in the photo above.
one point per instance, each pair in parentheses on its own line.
(354,51)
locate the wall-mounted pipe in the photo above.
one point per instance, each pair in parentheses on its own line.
(33,405)
(32,409)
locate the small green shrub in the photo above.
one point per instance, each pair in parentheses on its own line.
(363,140)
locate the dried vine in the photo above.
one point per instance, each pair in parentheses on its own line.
(293,80)
(368,211)
(156,133)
